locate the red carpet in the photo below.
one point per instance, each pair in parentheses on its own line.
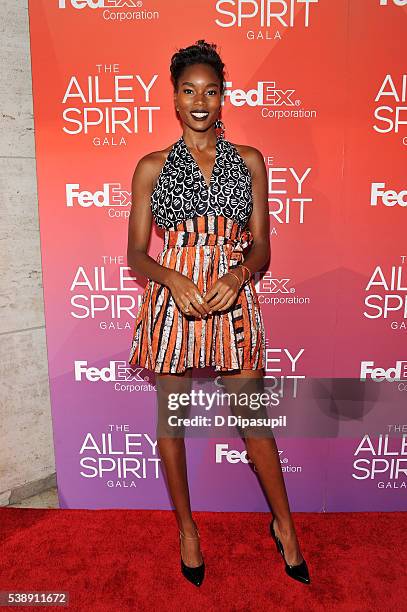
(122,560)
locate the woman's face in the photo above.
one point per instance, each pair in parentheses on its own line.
(198,99)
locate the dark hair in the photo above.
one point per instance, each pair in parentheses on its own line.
(201,52)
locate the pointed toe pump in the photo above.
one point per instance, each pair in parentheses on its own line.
(193,574)
(298,572)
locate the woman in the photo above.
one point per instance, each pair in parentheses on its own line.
(200,306)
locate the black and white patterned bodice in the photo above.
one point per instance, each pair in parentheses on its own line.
(181,191)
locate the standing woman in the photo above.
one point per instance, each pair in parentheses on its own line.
(200,306)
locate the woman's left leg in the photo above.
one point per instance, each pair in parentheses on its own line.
(264,454)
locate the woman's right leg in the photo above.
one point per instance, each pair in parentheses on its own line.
(171,446)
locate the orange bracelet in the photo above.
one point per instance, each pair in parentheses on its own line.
(235,275)
(243,275)
(246,268)
(243,281)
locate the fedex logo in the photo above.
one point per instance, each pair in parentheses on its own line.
(95,4)
(115,371)
(399,372)
(268,284)
(110,195)
(388,197)
(222,452)
(265,94)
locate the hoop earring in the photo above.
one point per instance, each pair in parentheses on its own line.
(219,125)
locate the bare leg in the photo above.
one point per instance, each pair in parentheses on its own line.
(263,452)
(171,445)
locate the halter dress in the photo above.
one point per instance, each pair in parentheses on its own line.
(204,237)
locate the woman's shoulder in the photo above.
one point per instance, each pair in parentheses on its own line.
(252,157)
(152,163)
(156,158)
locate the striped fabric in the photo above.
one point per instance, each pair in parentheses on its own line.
(166,340)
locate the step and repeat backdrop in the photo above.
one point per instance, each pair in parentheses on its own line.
(318,87)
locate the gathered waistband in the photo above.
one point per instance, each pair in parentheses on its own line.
(208,231)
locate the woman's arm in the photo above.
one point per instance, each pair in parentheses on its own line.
(259,222)
(140,221)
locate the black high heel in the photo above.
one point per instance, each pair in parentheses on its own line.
(298,572)
(193,574)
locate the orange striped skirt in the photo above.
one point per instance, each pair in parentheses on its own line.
(166,340)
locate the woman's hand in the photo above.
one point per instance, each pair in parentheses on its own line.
(224,291)
(186,294)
